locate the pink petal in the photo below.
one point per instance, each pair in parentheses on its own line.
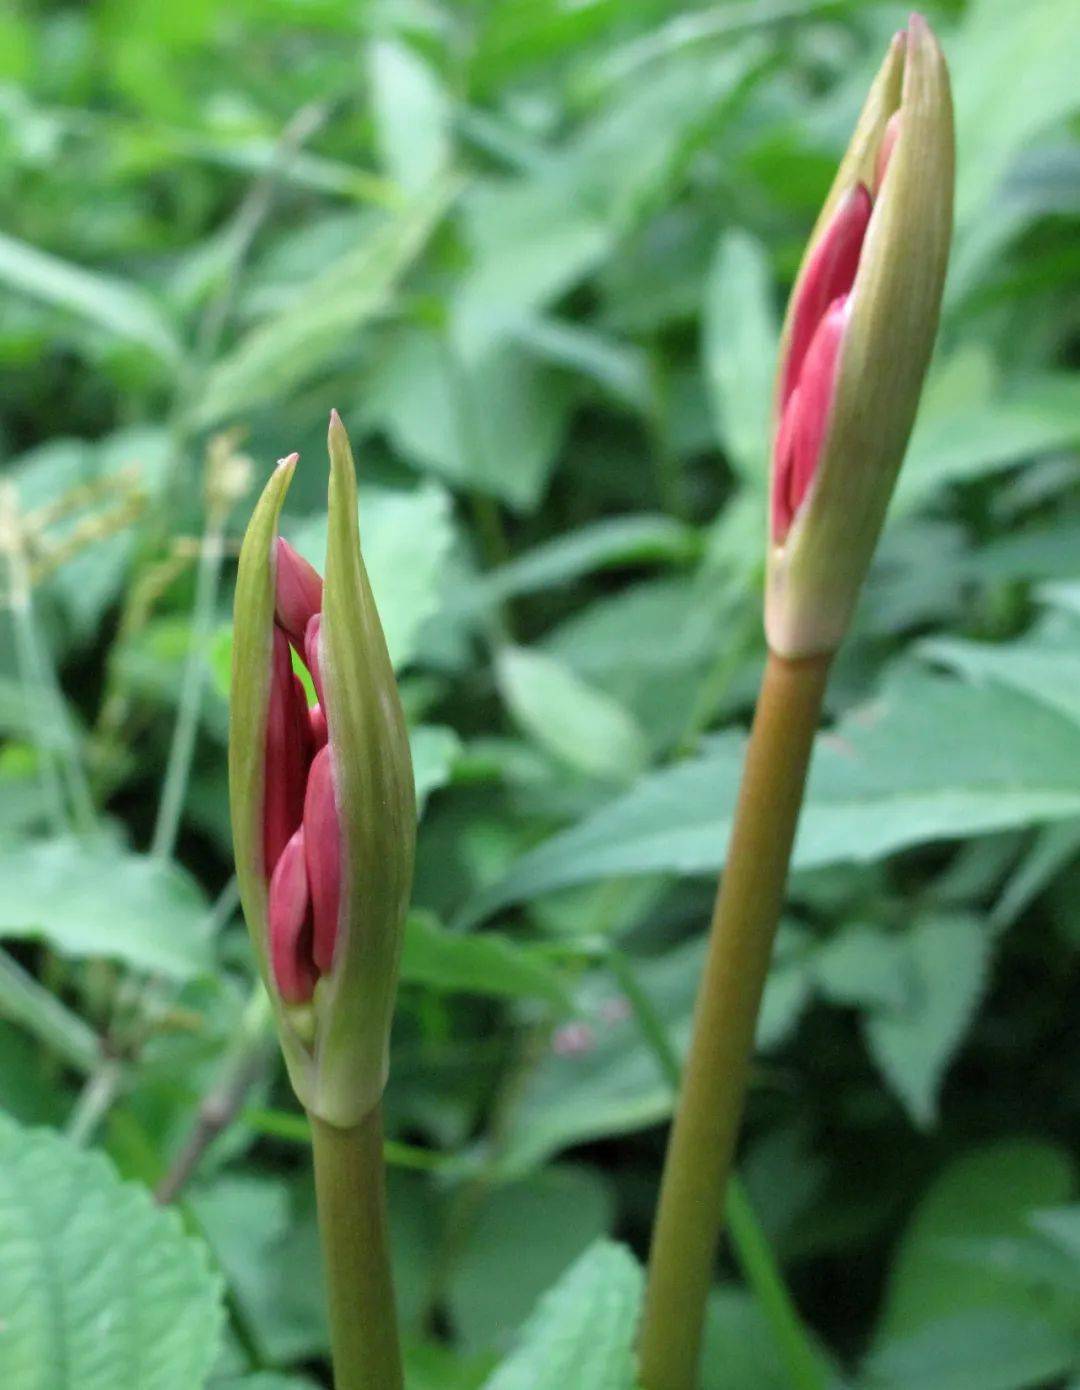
(817,388)
(312,634)
(830,272)
(322,848)
(287,754)
(290,925)
(318,726)
(297,592)
(783,509)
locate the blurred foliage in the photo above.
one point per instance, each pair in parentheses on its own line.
(535,252)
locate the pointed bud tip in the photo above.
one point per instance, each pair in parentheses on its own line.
(289,461)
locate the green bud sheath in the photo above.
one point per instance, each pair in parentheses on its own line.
(816,569)
(336,1042)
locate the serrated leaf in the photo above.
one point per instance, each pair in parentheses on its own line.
(945,962)
(927,759)
(487,963)
(94,898)
(582,1333)
(99,1288)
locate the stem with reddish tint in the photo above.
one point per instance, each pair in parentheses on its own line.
(701,1147)
(350,1185)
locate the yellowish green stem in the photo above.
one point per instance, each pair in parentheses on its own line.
(350,1186)
(701,1147)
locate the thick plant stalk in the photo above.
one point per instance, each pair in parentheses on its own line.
(350,1186)
(703,1136)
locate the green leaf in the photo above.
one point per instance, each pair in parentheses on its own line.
(927,759)
(999,1349)
(579,725)
(435,750)
(486,964)
(738,1351)
(114,305)
(600,1077)
(607,544)
(412,115)
(863,967)
(554,1215)
(739,346)
(492,424)
(582,1333)
(286,350)
(93,898)
(406,537)
(99,1288)
(944,964)
(1043,665)
(988,1192)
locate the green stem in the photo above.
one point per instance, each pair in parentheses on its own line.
(94,1101)
(701,1147)
(751,1245)
(351,1189)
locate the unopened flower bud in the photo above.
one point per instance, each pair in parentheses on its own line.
(322,798)
(856,343)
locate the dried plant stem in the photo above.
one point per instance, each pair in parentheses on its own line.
(703,1137)
(350,1185)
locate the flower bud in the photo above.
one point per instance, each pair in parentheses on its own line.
(857,339)
(323,810)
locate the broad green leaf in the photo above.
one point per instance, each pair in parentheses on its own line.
(553,1216)
(1027,50)
(739,347)
(406,537)
(944,966)
(1043,665)
(738,1351)
(988,1192)
(99,1288)
(289,348)
(600,1076)
(92,898)
(412,115)
(863,966)
(264,1237)
(927,759)
(263,1380)
(493,424)
(972,424)
(435,749)
(485,963)
(577,724)
(607,544)
(981,1349)
(115,305)
(582,1333)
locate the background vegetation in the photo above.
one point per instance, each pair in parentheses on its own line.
(535,253)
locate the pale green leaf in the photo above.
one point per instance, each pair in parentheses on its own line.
(114,305)
(739,347)
(927,759)
(943,964)
(412,115)
(485,963)
(988,1192)
(406,537)
(93,898)
(287,349)
(582,1333)
(554,1215)
(99,1288)
(576,723)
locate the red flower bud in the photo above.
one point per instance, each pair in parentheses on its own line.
(297,592)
